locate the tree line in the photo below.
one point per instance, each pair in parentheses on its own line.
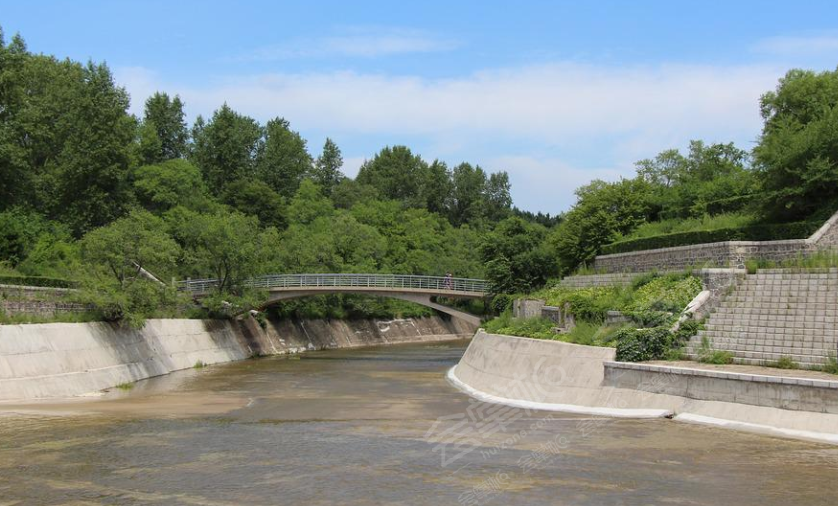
(91,192)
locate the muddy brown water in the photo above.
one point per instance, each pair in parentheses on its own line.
(376,426)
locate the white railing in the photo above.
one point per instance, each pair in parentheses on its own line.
(399,281)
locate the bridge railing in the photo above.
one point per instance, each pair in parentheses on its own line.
(398,281)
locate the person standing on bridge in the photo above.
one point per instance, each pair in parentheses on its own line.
(449,281)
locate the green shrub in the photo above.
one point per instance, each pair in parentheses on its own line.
(501,302)
(660,300)
(538,328)
(638,345)
(765,232)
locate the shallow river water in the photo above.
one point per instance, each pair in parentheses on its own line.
(377,426)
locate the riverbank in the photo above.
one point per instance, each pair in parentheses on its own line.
(56,360)
(557,376)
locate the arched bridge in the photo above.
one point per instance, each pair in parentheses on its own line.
(417,289)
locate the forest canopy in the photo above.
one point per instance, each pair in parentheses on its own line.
(91,193)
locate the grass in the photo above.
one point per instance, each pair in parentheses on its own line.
(831,365)
(784,363)
(718,357)
(707,355)
(678,225)
(16,319)
(199,365)
(819,260)
(125,386)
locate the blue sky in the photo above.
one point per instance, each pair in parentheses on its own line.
(556,93)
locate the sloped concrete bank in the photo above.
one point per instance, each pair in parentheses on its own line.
(71,359)
(551,375)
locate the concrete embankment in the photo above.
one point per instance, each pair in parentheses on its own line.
(552,375)
(70,359)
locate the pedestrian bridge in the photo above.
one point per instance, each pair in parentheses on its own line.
(417,289)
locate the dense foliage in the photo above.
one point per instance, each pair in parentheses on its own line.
(121,205)
(90,192)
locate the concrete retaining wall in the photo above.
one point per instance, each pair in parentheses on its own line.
(552,375)
(797,394)
(69,359)
(731,254)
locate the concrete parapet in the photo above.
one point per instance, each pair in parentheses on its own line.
(797,394)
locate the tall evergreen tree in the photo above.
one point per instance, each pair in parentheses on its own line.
(327,172)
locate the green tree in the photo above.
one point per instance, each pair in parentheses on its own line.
(358,247)
(498,199)
(169,184)
(603,212)
(284,161)
(349,192)
(308,204)
(226,148)
(397,174)
(437,188)
(327,172)
(66,139)
(229,247)
(165,116)
(797,155)
(516,256)
(469,187)
(256,198)
(137,241)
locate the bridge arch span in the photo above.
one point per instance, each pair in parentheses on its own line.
(411,288)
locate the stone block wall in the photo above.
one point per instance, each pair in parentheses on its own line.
(731,254)
(42,308)
(586,281)
(777,313)
(17,292)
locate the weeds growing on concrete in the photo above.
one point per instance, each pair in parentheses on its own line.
(125,386)
(199,365)
(15,319)
(831,365)
(819,260)
(707,355)
(784,363)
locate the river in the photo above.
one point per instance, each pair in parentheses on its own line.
(376,426)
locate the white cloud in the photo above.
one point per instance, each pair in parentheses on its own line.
(360,42)
(547,184)
(607,116)
(799,46)
(549,102)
